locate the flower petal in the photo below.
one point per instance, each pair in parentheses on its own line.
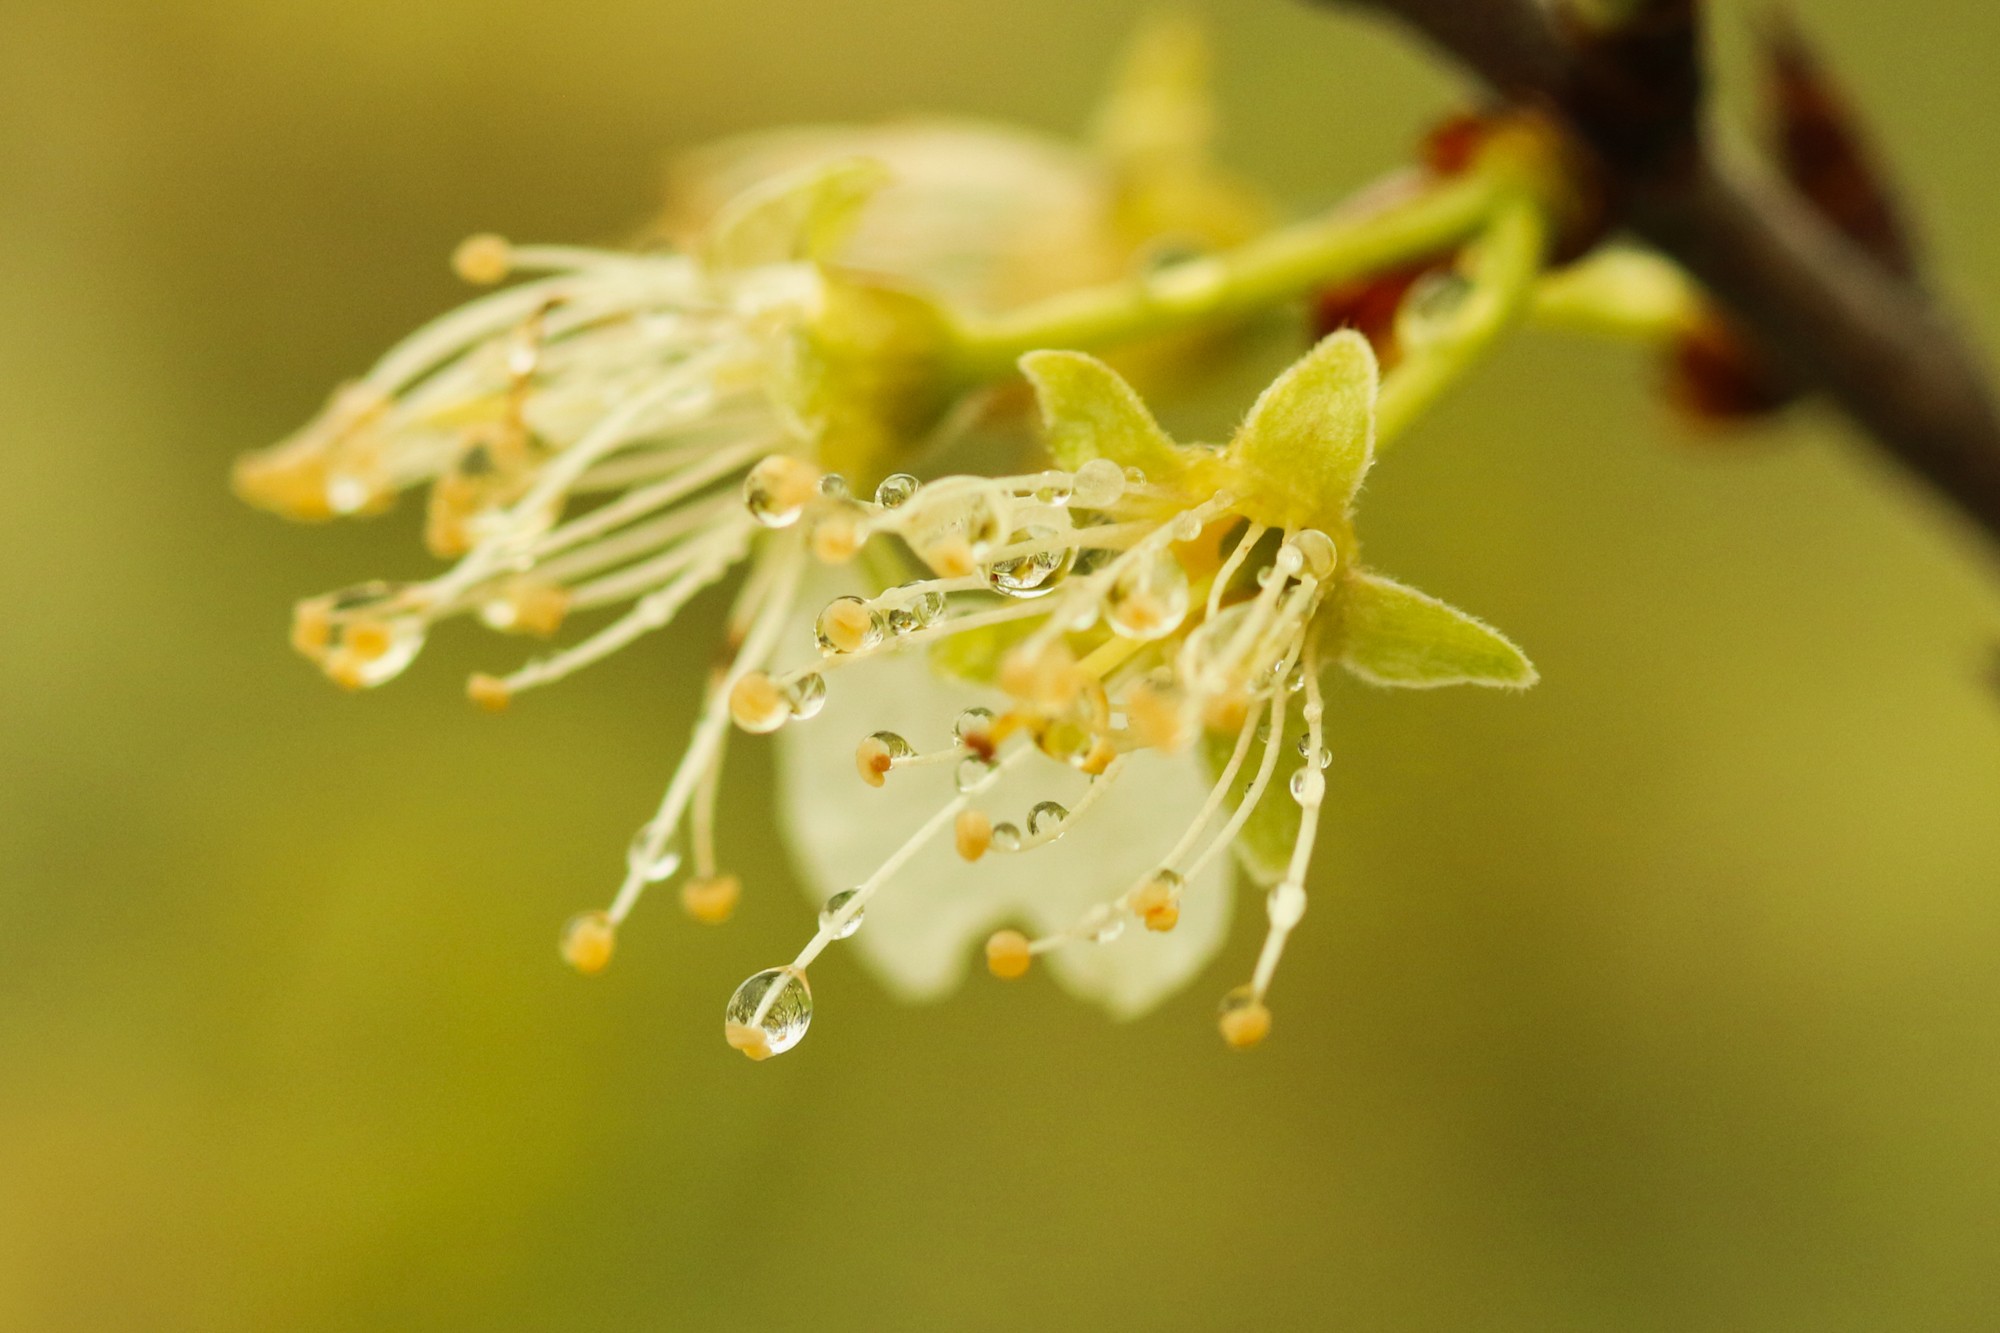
(800,215)
(925,926)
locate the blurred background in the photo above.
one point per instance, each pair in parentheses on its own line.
(1666,997)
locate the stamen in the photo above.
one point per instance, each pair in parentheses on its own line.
(588,941)
(1008,954)
(765,604)
(711,898)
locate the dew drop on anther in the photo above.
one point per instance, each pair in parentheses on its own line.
(769,1013)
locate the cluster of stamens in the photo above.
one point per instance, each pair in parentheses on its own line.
(1116,615)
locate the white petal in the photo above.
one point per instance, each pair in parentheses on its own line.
(926,926)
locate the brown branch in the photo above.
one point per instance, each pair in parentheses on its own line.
(1818,305)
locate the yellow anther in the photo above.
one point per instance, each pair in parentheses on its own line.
(749,1040)
(711,900)
(587,942)
(1151,896)
(1156,718)
(345,669)
(847,625)
(1162,918)
(367,639)
(1245,1021)
(1227,711)
(782,484)
(951,558)
(757,704)
(312,629)
(972,835)
(873,760)
(483,259)
(1046,677)
(836,538)
(1007,954)
(1099,757)
(288,484)
(539,606)
(489,692)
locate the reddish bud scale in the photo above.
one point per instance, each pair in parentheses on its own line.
(1716,376)
(1822,150)
(1369,306)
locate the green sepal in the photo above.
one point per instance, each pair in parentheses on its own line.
(1264,846)
(1089,411)
(1390,634)
(1301,453)
(792,217)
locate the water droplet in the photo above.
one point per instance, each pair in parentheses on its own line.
(1317,550)
(970,721)
(973,773)
(777,489)
(1037,573)
(832,910)
(1430,308)
(806,695)
(896,490)
(897,747)
(1148,599)
(1056,488)
(1006,838)
(769,1013)
(1102,924)
(1045,820)
(1098,484)
(849,625)
(833,486)
(1285,904)
(1288,561)
(647,864)
(1308,786)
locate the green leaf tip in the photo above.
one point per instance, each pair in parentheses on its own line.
(1089,411)
(1395,635)
(1309,440)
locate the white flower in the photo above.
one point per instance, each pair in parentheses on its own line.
(1139,597)
(624,430)
(921,938)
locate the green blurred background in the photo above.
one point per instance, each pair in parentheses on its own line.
(1667,997)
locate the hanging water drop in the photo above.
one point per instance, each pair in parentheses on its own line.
(1098,484)
(1045,820)
(806,695)
(972,722)
(829,916)
(896,490)
(1006,838)
(769,1013)
(1285,904)
(1148,598)
(647,864)
(1102,924)
(973,773)
(848,625)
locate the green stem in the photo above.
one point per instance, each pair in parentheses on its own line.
(1502,272)
(1279,267)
